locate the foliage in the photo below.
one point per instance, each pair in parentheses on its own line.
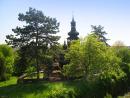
(6,61)
(75,57)
(2,67)
(105,70)
(118,44)
(70,89)
(36,36)
(11,81)
(98,30)
(30,70)
(98,63)
(123,53)
(92,58)
(103,66)
(108,96)
(21,62)
(48,90)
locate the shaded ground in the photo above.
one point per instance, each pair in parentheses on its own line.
(66,89)
(38,90)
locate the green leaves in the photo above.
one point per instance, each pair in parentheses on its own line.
(39,29)
(38,34)
(92,58)
(6,61)
(75,56)
(98,30)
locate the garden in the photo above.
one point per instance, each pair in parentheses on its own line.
(34,65)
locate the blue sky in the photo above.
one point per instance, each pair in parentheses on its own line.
(114,15)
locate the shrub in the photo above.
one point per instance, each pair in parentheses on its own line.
(99,65)
(108,96)
(6,62)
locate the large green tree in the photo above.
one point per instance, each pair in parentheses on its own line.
(99,59)
(92,59)
(38,33)
(75,57)
(22,61)
(123,52)
(6,62)
(98,30)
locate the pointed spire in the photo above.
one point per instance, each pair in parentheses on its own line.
(65,45)
(73,19)
(73,24)
(73,34)
(72,16)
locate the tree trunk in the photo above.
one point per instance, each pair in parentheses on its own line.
(37,63)
(37,68)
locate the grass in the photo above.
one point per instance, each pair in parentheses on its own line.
(10,89)
(68,89)
(127,95)
(12,81)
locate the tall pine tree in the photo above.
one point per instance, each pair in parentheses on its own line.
(98,30)
(38,33)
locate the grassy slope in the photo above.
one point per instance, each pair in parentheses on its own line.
(12,81)
(38,90)
(127,95)
(75,89)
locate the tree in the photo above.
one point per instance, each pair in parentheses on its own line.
(37,35)
(75,57)
(98,30)
(123,52)
(92,59)
(118,44)
(100,60)
(21,61)
(6,61)
(2,67)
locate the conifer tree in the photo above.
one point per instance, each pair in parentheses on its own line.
(98,30)
(38,33)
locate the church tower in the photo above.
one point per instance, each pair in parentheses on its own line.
(73,34)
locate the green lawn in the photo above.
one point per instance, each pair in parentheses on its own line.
(12,81)
(127,95)
(70,89)
(10,89)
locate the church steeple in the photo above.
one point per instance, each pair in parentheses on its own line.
(73,25)
(73,34)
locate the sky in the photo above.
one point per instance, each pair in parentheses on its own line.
(113,15)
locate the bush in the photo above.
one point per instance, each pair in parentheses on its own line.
(2,67)
(100,66)
(6,62)
(75,56)
(30,71)
(108,96)
(62,93)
